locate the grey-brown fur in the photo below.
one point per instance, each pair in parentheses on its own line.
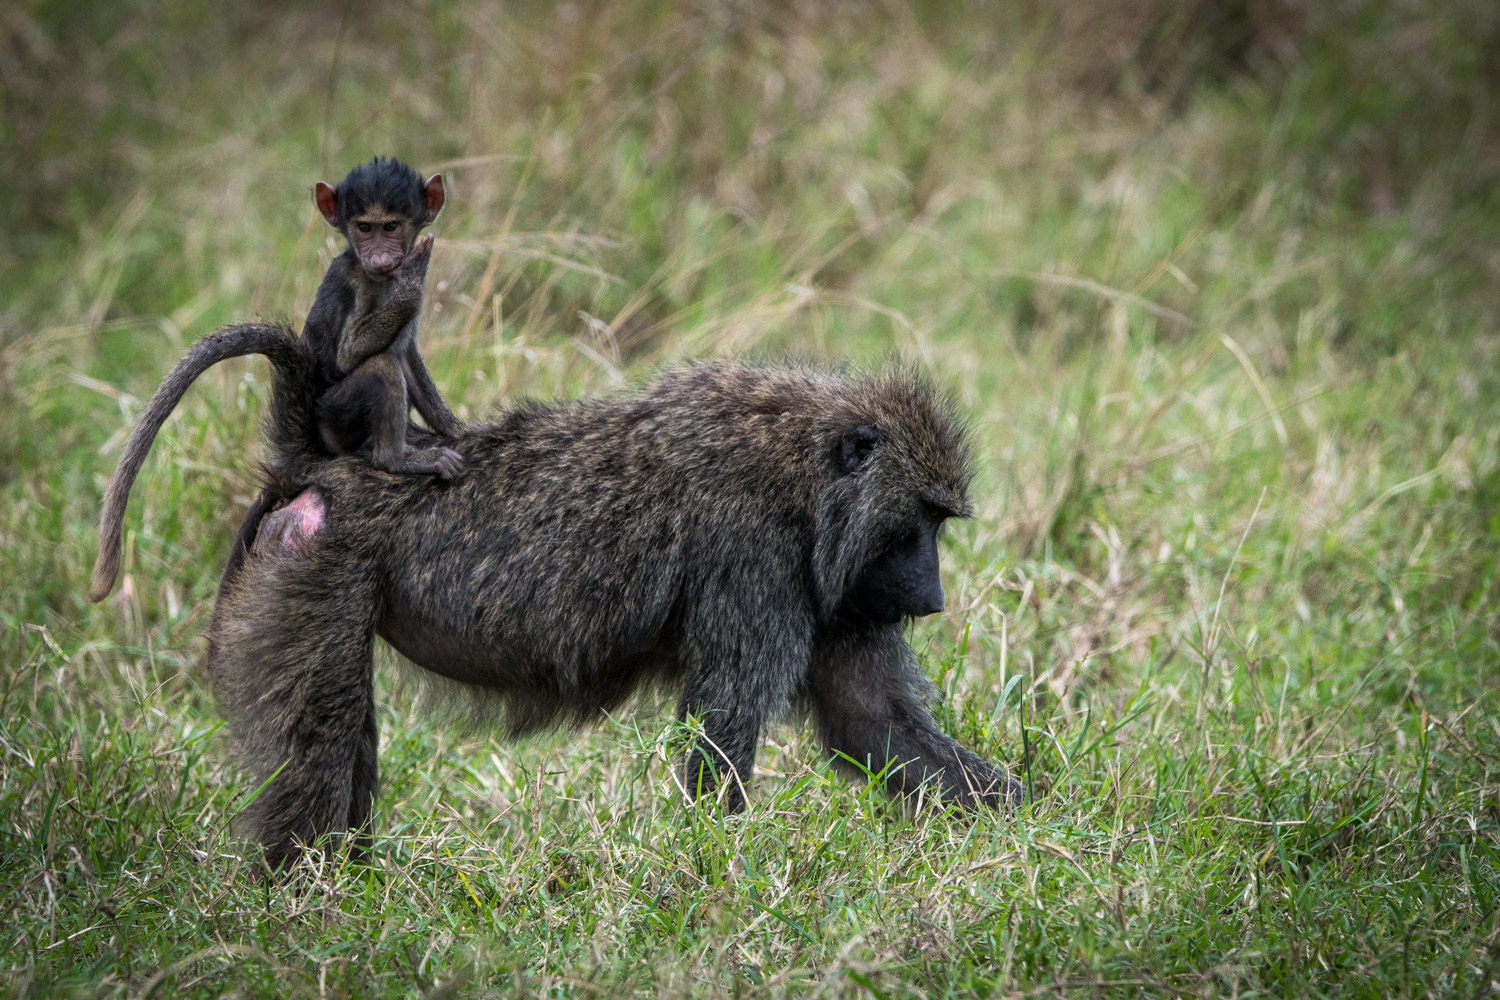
(698,532)
(713,531)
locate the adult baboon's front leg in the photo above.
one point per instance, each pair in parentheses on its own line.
(865,689)
(291,655)
(740,674)
(725,754)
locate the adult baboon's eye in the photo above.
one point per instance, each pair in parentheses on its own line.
(391,227)
(364,227)
(855,448)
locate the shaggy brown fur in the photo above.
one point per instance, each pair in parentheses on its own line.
(715,531)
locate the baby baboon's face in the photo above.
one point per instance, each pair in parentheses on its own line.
(381,240)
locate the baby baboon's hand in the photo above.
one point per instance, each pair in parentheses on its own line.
(416,262)
(410,276)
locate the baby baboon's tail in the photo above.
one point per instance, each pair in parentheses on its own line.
(293,389)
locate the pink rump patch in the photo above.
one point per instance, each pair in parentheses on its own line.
(297,524)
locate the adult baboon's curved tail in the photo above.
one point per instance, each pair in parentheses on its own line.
(290,424)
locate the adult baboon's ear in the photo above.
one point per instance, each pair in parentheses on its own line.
(847,508)
(432,198)
(855,447)
(325,196)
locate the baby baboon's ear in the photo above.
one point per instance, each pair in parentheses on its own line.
(855,447)
(326,197)
(433,196)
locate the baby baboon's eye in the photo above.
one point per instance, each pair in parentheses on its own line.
(391,227)
(364,227)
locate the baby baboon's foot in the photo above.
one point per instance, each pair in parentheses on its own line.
(292,528)
(445,463)
(449,463)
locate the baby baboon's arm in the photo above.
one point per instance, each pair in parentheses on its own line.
(424,395)
(383,310)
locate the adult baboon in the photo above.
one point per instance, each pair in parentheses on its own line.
(752,535)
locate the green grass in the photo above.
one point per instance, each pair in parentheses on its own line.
(1218,297)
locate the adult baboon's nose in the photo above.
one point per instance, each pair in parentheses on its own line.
(930,601)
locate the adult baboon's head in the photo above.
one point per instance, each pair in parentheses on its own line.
(898,466)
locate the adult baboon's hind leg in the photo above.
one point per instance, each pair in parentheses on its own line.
(865,689)
(291,653)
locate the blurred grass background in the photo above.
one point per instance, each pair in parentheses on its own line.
(1216,284)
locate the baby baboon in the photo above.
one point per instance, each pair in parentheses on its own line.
(752,536)
(363,323)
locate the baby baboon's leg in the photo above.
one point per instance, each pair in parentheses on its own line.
(368,406)
(865,688)
(291,653)
(371,405)
(425,396)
